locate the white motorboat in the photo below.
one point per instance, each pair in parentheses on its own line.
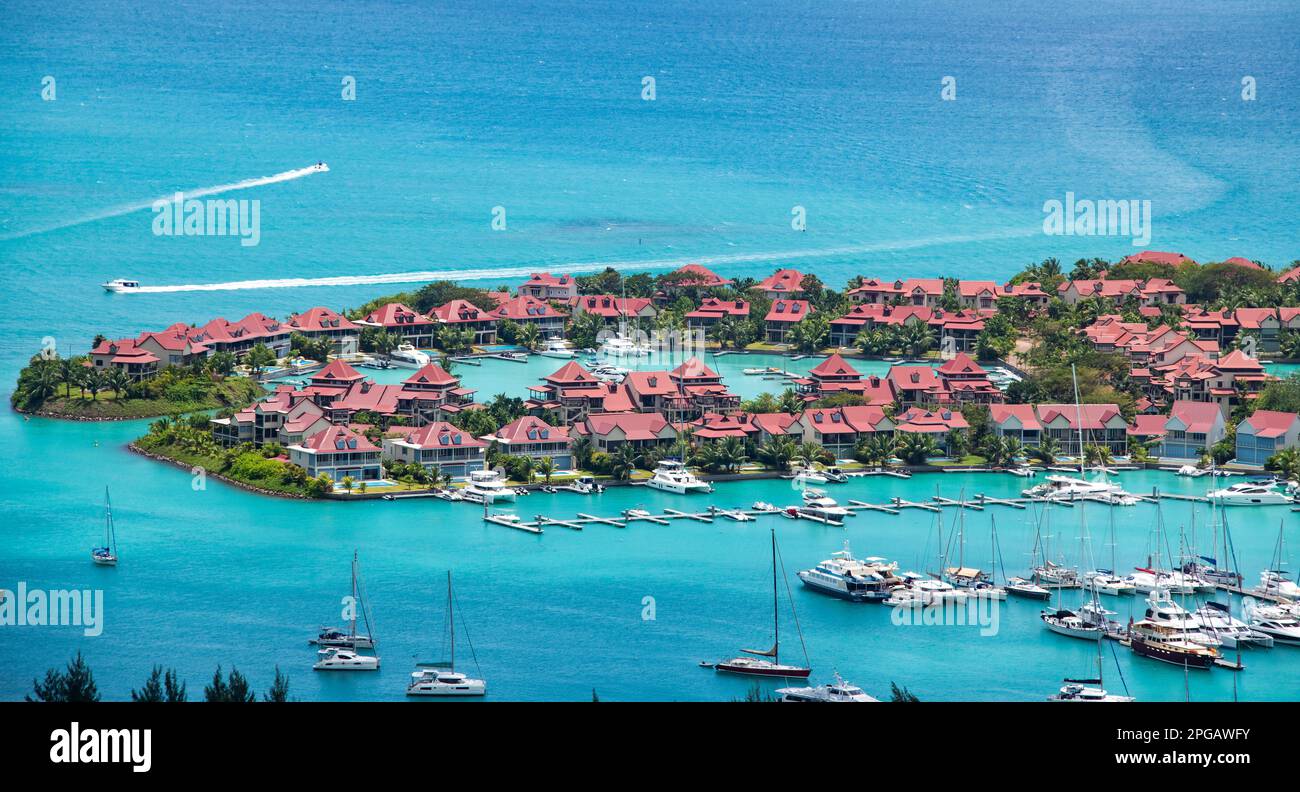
(1104,581)
(1146,580)
(1022,471)
(557,348)
(765,507)
(106,555)
(120,285)
(1070,624)
(1086,690)
(834,475)
(672,476)
(637,512)
(1070,488)
(932,590)
(487,486)
(1280,625)
(619,345)
(438,679)
(848,578)
(1020,587)
(336,658)
(407,356)
(817,503)
(1191,470)
(1275,583)
(1250,493)
(1216,619)
(838,691)
(807,474)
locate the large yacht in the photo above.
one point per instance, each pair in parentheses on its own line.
(487,486)
(1250,493)
(849,578)
(407,356)
(1168,644)
(837,692)
(1216,619)
(557,348)
(672,476)
(1069,488)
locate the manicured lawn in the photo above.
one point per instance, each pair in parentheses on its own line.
(971,459)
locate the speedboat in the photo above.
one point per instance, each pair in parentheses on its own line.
(335,658)
(848,578)
(583,485)
(441,682)
(119,285)
(1250,493)
(407,356)
(557,348)
(1020,587)
(1070,624)
(765,507)
(1022,471)
(834,475)
(1282,626)
(818,504)
(487,486)
(672,476)
(838,691)
(1191,470)
(637,512)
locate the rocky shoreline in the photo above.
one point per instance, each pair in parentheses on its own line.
(133,448)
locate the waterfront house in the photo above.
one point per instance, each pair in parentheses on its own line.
(1016,421)
(1147,429)
(126,355)
(331,382)
(338,452)
(691,277)
(1265,433)
(287,417)
(438,447)
(608,431)
(915,385)
(839,429)
(544,286)
(784,283)
(982,295)
(530,436)
(1102,425)
(525,309)
(405,323)
(712,309)
(783,315)
(1191,428)
(432,394)
(343,335)
(615,310)
(718,426)
(463,314)
(1030,291)
(963,381)
(683,394)
(926,292)
(938,423)
(572,393)
(834,375)
(239,337)
(173,346)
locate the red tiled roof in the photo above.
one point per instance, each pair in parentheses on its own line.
(529,429)
(788,311)
(396,315)
(315,319)
(834,366)
(430,374)
(458,311)
(441,434)
(1197,416)
(525,308)
(783,280)
(1271,423)
(338,438)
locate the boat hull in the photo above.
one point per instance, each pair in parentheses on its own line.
(771,670)
(1155,651)
(851,596)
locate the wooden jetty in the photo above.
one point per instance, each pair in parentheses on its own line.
(902,504)
(515,523)
(973,506)
(1013,503)
(701,516)
(602,520)
(857,504)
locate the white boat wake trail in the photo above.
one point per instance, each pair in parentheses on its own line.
(199,192)
(488,273)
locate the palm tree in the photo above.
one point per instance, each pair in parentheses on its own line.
(873,342)
(259,358)
(917,338)
(94,382)
(529,337)
(1096,455)
(1047,450)
(810,453)
(582,450)
(875,450)
(117,381)
(546,467)
(915,448)
(68,373)
(347,483)
(777,452)
(44,385)
(726,329)
(726,455)
(624,461)
(790,402)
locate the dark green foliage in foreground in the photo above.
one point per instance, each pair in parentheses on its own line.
(76,684)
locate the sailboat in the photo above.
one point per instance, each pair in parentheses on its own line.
(974,581)
(442,679)
(759,664)
(1028,588)
(1090,689)
(334,637)
(1105,581)
(106,555)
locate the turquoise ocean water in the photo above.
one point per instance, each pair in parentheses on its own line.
(760,107)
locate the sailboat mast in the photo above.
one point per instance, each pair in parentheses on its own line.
(353,630)
(451,619)
(1078,415)
(776,610)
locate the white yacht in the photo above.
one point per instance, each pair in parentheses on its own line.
(407,356)
(1020,587)
(437,679)
(808,474)
(1070,624)
(1275,583)
(838,691)
(672,476)
(1069,488)
(1164,611)
(557,348)
(1250,493)
(583,485)
(619,345)
(487,486)
(848,578)
(1278,623)
(119,285)
(818,504)
(1146,581)
(335,658)
(1216,619)
(1104,581)
(1086,690)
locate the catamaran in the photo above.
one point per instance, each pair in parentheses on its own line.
(767,662)
(106,555)
(442,679)
(487,487)
(351,639)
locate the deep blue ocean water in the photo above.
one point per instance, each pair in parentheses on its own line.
(462,107)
